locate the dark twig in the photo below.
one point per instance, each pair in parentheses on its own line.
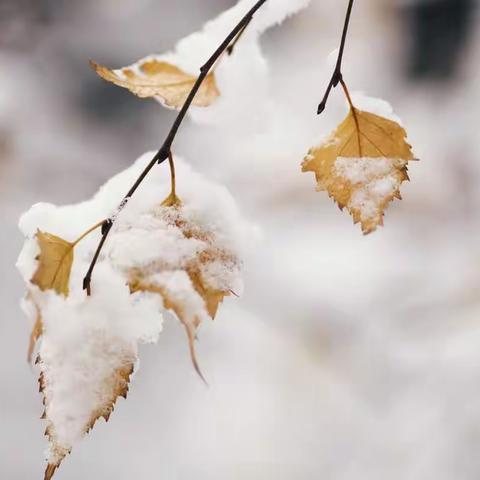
(232,46)
(163,153)
(337,73)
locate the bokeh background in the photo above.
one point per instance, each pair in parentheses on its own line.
(348,357)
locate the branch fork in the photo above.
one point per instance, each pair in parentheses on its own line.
(337,76)
(165,151)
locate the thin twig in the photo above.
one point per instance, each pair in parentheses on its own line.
(162,154)
(232,46)
(337,73)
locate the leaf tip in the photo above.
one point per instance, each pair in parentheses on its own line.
(50,471)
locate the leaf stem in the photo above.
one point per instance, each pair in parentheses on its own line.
(172,174)
(337,73)
(354,113)
(163,152)
(347,93)
(172,200)
(88,232)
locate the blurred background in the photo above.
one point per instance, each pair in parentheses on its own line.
(348,357)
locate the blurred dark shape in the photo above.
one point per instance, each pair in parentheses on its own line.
(439,31)
(21,21)
(101,101)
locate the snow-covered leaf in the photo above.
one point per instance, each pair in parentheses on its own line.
(158,78)
(68,379)
(180,256)
(362,165)
(67,372)
(194,283)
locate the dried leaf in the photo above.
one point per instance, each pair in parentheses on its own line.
(53,273)
(362,165)
(155,78)
(176,304)
(213,298)
(185,289)
(113,386)
(54,263)
(50,471)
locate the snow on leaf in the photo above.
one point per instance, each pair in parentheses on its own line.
(183,257)
(156,78)
(54,263)
(362,165)
(194,286)
(101,389)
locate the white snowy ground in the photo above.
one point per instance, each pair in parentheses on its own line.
(348,357)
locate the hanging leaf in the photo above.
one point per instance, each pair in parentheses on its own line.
(195,285)
(156,78)
(54,263)
(53,273)
(362,165)
(102,391)
(66,373)
(181,256)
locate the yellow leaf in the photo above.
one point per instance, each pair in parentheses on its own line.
(53,273)
(176,303)
(54,263)
(157,278)
(155,78)
(212,297)
(362,165)
(171,302)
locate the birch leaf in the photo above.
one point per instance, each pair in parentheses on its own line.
(106,390)
(177,301)
(54,263)
(156,78)
(362,165)
(193,287)
(76,393)
(53,273)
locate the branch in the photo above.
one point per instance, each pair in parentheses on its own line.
(337,73)
(232,46)
(164,151)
